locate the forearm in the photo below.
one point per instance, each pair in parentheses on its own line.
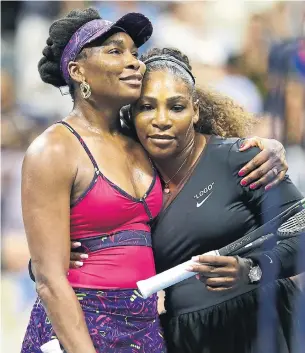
(66,316)
(283,260)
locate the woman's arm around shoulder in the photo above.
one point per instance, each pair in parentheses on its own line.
(265,205)
(267,168)
(48,172)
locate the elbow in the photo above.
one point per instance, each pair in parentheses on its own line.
(49,286)
(43,285)
(43,290)
(50,279)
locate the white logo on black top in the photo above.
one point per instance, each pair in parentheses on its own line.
(207,192)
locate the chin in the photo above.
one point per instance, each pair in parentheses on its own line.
(157,153)
(130,94)
(130,97)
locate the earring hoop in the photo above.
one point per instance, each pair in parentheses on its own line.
(85,89)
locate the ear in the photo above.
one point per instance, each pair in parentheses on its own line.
(196,112)
(76,71)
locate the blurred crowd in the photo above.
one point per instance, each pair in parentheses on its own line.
(253,52)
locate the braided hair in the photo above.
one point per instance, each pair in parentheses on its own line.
(218,115)
(60,33)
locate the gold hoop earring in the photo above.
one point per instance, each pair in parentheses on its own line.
(85,90)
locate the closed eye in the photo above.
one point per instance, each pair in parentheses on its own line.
(145,107)
(114,51)
(177,108)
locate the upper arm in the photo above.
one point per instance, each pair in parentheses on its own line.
(47,178)
(264,204)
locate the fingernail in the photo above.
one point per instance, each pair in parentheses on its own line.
(77,243)
(253,186)
(190,269)
(243,182)
(197,276)
(242,172)
(84,256)
(242,145)
(268,187)
(195,258)
(79,263)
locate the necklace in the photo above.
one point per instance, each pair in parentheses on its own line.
(166,183)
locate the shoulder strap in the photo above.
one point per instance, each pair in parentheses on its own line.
(82,142)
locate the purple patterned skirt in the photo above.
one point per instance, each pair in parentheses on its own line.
(118,321)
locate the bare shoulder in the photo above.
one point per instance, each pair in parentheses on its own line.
(53,141)
(52,150)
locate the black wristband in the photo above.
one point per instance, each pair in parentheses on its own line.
(30,271)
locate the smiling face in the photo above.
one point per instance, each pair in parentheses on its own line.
(111,68)
(164,115)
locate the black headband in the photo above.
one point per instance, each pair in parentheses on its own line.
(172,59)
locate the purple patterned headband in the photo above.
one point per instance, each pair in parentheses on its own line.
(135,24)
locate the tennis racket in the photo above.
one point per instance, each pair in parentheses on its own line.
(267,228)
(293,227)
(291,221)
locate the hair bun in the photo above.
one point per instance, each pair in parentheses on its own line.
(60,33)
(50,41)
(48,53)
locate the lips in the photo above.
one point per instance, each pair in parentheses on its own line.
(135,79)
(161,137)
(161,140)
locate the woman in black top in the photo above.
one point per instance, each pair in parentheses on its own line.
(206,208)
(187,133)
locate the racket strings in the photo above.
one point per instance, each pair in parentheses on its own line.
(294,225)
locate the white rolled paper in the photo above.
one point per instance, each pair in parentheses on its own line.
(168,278)
(51,347)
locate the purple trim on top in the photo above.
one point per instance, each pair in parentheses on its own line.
(77,135)
(99,173)
(122,238)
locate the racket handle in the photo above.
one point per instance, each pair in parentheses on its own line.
(234,247)
(167,278)
(255,244)
(51,347)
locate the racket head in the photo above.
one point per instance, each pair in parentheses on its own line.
(294,226)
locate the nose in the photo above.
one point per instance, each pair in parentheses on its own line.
(133,62)
(161,120)
(142,67)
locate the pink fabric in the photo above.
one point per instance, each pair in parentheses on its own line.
(104,210)
(119,267)
(114,230)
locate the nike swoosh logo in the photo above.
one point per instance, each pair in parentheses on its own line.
(269,258)
(204,200)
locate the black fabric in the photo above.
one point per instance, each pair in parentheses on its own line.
(212,210)
(248,323)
